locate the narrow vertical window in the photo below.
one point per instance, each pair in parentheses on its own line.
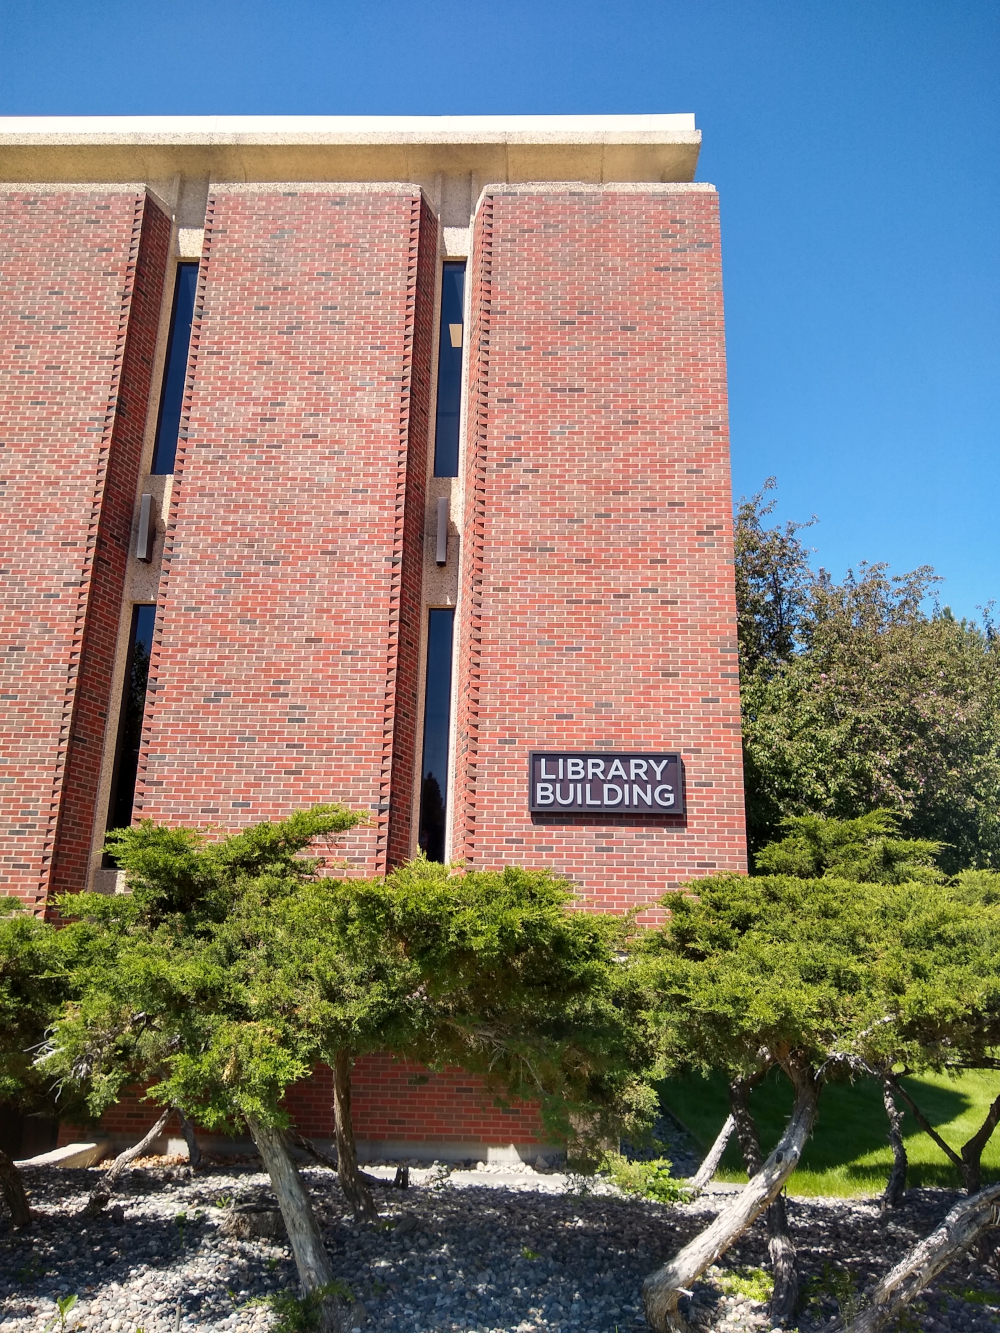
(130,718)
(172,391)
(437,725)
(449,385)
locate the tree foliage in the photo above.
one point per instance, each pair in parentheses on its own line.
(39,975)
(864,850)
(856,697)
(834,967)
(845,970)
(233,968)
(184,990)
(527,991)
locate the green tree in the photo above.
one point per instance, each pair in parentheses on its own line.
(748,975)
(773,583)
(37,969)
(529,991)
(182,994)
(234,967)
(946,1017)
(865,850)
(856,697)
(824,978)
(486,970)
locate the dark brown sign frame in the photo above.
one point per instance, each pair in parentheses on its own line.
(605,782)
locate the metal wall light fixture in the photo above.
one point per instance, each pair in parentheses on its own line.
(442,531)
(147,530)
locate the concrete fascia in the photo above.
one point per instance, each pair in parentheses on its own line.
(358,148)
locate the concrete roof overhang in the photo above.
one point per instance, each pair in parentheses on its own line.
(501,149)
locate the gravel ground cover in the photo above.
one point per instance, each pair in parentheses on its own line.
(495,1249)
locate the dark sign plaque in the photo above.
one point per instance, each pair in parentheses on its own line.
(605,783)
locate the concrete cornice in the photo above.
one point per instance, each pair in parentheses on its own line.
(341,129)
(511,149)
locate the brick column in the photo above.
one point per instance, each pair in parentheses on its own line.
(80,293)
(599,597)
(283,669)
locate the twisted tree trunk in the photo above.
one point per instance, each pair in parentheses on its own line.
(972,1149)
(14,1193)
(969,1160)
(100,1195)
(710,1165)
(780,1245)
(970,1219)
(311,1259)
(187,1129)
(662,1290)
(356,1192)
(896,1186)
(401,1182)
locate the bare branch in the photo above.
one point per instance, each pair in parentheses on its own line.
(966,1222)
(101,1195)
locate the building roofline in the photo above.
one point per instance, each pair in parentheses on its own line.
(597,149)
(195,130)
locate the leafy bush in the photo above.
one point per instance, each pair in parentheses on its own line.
(650,1180)
(300,1314)
(753,1284)
(837,1284)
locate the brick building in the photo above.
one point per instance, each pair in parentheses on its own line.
(373,460)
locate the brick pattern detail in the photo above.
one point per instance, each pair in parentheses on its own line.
(469,682)
(79,303)
(390,1100)
(601,607)
(132,1118)
(400,728)
(400,1100)
(286,602)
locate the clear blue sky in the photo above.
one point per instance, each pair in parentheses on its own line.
(854,143)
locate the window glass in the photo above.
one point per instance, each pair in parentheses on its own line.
(437,727)
(449,385)
(172,392)
(130,718)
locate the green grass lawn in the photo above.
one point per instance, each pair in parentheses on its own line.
(849,1152)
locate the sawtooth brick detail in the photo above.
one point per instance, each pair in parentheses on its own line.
(80,297)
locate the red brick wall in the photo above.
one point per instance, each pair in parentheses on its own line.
(411,494)
(598,531)
(117,503)
(404,1102)
(391,1100)
(79,299)
(129,1119)
(598,607)
(277,652)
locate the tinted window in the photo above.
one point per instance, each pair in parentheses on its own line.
(449,386)
(437,728)
(172,392)
(130,723)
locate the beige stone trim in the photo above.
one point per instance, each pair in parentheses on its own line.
(313,187)
(343,129)
(595,149)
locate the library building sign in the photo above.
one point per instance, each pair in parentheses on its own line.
(605,783)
